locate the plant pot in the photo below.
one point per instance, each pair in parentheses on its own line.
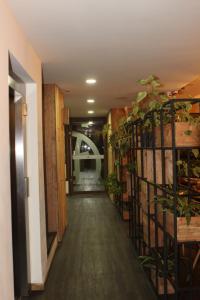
(160,291)
(185,233)
(181,139)
(126,215)
(125,197)
(158,166)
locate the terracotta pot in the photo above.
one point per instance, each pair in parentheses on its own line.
(126,215)
(181,139)
(125,197)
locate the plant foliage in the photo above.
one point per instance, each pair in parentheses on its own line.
(112,185)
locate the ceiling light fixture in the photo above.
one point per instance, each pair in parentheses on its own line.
(90,100)
(90,111)
(91,81)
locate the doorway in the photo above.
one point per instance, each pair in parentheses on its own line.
(19,185)
(88,163)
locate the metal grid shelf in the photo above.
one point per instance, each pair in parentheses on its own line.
(150,236)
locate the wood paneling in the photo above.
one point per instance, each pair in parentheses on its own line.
(55,159)
(116,115)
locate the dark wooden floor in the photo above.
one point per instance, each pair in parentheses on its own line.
(96,259)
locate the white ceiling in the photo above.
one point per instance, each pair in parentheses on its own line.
(115,41)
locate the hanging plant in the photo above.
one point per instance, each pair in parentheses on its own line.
(152,93)
(131,167)
(190,173)
(124,146)
(105,130)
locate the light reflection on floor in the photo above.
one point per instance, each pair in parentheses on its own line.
(89,181)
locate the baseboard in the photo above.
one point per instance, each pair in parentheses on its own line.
(51,255)
(37,287)
(41,287)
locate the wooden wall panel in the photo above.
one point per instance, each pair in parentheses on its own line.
(55,159)
(50,157)
(116,115)
(60,141)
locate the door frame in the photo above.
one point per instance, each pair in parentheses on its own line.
(99,121)
(19,188)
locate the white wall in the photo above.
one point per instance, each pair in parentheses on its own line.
(13,40)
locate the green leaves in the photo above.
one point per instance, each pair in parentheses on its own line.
(131,167)
(182,205)
(155,84)
(148,80)
(117,163)
(196,171)
(182,168)
(124,146)
(195,152)
(112,185)
(164,97)
(140,96)
(157,262)
(135,109)
(155,105)
(106,129)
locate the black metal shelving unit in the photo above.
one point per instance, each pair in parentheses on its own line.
(156,231)
(124,200)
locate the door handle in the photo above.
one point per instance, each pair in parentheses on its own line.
(26,182)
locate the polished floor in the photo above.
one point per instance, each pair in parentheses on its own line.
(89,181)
(95,260)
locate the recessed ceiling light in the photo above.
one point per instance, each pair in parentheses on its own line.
(91,81)
(90,100)
(90,111)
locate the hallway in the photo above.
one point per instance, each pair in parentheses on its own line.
(96,260)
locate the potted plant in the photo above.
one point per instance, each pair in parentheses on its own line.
(187,127)
(151,263)
(112,185)
(190,174)
(188,216)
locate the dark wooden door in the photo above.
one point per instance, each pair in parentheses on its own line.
(19,195)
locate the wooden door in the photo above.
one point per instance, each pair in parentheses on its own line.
(19,194)
(60,151)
